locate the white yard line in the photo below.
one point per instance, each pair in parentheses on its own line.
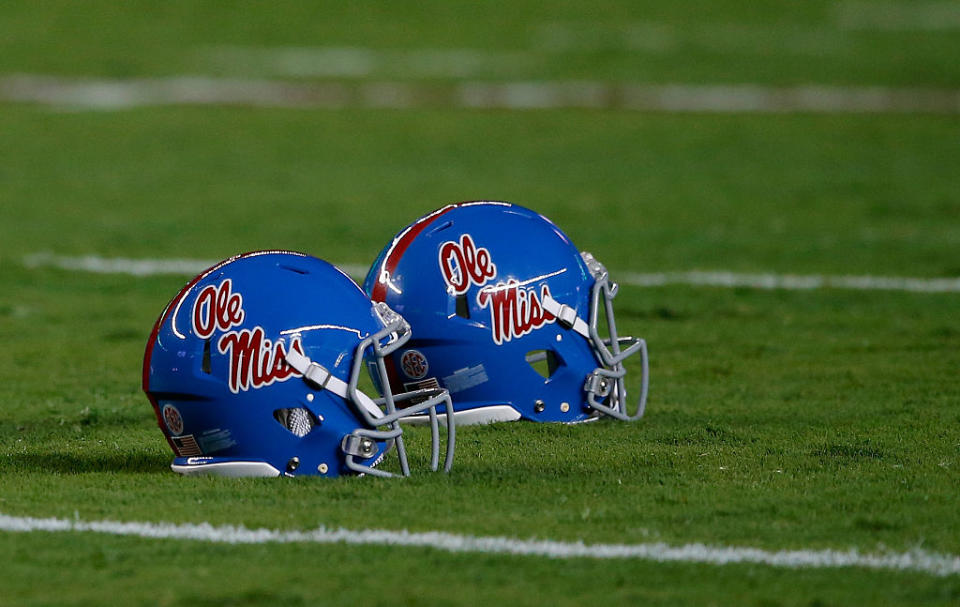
(187,267)
(914,561)
(792,282)
(716,37)
(119,265)
(363,62)
(140,267)
(104,94)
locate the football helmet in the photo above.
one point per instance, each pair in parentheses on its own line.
(506,315)
(252,370)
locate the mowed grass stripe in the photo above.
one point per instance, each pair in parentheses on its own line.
(152,267)
(916,560)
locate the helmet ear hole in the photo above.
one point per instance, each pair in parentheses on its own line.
(298,420)
(544,362)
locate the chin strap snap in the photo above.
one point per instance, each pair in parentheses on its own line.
(566,316)
(323,379)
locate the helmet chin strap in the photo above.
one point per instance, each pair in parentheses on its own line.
(566,316)
(361,442)
(318,375)
(605,382)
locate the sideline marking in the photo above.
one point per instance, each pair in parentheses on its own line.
(364,62)
(140,267)
(792,282)
(113,94)
(914,560)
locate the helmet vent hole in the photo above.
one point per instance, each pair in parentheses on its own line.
(299,421)
(294,269)
(442,227)
(463,307)
(205,362)
(544,362)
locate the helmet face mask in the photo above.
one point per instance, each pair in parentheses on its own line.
(253,370)
(360,444)
(605,387)
(506,315)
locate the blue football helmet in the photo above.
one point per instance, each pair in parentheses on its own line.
(505,314)
(252,370)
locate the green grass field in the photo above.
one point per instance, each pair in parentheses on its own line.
(778,419)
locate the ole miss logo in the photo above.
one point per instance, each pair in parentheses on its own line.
(255,361)
(515,309)
(463,264)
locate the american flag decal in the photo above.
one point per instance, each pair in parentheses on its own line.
(186,446)
(427,384)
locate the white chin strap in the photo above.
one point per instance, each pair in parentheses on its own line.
(566,316)
(318,375)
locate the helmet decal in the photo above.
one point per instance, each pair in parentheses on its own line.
(255,361)
(414,364)
(514,311)
(217,308)
(463,264)
(173,419)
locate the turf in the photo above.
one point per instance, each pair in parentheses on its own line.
(720,41)
(777,419)
(801,194)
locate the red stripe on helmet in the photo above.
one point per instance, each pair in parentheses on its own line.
(148,353)
(392,259)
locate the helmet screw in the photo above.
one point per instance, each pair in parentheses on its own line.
(293,464)
(309,397)
(538,406)
(564,407)
(322,468)
(367,447)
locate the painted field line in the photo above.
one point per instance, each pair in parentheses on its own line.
(915,560)
(794,282)
(365,62)
(140,267)
(101,94)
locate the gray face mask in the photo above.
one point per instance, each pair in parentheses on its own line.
(382,415)
(605,386)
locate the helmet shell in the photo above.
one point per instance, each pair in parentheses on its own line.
(214,367)
(470,278)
